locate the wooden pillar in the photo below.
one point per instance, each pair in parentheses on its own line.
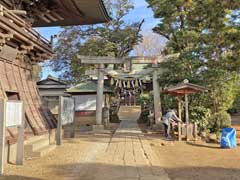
(99,100)
(2,134)
(156,98)
(195,131)
(180,117)
(20,140)
(187,116)
(73,124)
(59,123)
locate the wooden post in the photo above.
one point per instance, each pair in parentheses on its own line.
(59,123)
(20,140)
(187,116)
(2,134)
(195,131)
(73,123)
(180,117)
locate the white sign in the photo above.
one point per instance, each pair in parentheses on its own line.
(86,102)
(67,110)
(14,113)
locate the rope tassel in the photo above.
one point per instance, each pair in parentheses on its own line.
(136,83)
(128,85)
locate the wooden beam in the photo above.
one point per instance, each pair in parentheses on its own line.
(18,12)
(21,34)
(56,15)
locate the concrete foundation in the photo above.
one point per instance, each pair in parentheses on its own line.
(11,149)
(97,128)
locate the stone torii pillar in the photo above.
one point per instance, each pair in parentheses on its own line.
(156,96)
(99,100)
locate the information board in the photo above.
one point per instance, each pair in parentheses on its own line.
(14,113)
(67,110)
(86,102)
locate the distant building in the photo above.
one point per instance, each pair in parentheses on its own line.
(50,89)
(85,94)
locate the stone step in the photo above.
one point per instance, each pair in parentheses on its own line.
(35,138)
(43,151)
(37,144)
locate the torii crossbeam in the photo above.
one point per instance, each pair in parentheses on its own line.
(101,61)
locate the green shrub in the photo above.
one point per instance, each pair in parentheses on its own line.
(218,121)
(200,115)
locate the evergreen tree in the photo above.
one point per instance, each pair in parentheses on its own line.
(206,33)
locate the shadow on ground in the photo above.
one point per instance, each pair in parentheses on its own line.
(99,171)
(203,145)
(203,173)
(103,171)
(18,178)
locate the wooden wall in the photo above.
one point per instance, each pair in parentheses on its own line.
(16,77)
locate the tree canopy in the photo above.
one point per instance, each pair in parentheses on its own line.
(116,38)
(206,34)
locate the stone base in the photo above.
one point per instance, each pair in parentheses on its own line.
(98,128)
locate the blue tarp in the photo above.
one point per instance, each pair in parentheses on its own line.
(229,139)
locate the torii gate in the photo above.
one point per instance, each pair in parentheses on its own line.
(128,61)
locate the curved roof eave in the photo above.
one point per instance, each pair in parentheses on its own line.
(73,12)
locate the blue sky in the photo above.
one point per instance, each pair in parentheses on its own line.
(141,11)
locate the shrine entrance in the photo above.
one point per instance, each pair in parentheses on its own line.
(129,94)
(127,82)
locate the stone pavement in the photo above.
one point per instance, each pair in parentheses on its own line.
(128,155)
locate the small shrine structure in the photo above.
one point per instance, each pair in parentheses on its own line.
(183,90)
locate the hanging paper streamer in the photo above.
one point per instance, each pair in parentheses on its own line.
(136,83)
(140,83)
(124,84)
(132,82)
(112,81)
(128,85)
(116,83)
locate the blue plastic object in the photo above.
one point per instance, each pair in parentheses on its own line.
(229,139)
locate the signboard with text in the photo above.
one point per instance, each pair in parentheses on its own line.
(14,113)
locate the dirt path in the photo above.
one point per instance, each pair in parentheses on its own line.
(197,161)
(126,155)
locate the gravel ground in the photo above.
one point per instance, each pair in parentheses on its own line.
(195,161)
(62,163)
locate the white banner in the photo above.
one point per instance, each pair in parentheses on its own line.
(86,102)
(67,110)
(14,113)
